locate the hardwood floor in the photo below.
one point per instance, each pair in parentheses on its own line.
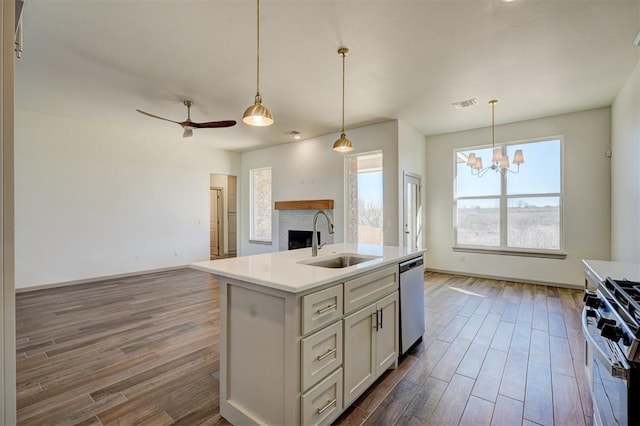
(145,350)
(495,352)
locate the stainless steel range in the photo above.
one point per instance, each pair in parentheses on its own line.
(611,327)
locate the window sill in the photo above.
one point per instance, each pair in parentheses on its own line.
(264,243)
(512,252)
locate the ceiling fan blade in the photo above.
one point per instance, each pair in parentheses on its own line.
(213,124)
(159,118)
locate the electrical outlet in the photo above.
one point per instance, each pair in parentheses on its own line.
(138,258)
(176,253)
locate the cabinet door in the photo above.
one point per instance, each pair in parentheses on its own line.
(387,338)
(359,352)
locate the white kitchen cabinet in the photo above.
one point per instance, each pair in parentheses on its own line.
(284,332)
(289,358)
(370,345)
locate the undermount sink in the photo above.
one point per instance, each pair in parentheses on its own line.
(342,260)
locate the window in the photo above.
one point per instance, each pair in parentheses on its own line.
(520,211)
(364,181)
(260,208)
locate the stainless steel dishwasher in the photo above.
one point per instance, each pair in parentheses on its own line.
(412,321)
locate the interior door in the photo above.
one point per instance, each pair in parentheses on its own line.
(214,224)
(412,211)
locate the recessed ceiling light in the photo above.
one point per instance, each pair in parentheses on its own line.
(465,104)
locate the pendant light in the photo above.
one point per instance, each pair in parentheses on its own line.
(257,114)
(343,144)
(499,161)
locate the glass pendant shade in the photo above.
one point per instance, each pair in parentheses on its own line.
(343,144)
(257,114)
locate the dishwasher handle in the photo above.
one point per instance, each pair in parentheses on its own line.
(410,264)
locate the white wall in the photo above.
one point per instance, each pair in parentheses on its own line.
(7,289)
(310,169)
(412,158)
(587,177)
(90,199)
(625,173)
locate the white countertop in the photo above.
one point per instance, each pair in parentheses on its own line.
(281,270)
(616,270)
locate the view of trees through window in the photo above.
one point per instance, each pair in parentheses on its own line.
(518,210)
(364,177)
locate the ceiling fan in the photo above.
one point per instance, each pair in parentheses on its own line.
(189,125)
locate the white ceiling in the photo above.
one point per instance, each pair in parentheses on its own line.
(99,60)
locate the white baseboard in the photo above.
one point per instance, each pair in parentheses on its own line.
(96,279)
(515,280)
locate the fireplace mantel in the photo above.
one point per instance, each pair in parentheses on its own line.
(304,205)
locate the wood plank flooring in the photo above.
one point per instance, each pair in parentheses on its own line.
(145,350)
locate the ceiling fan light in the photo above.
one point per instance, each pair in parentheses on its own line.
(257,114)
(343,144)
(188,132)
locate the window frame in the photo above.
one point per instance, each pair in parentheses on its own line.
(252,209)
(348,200)
(503,198)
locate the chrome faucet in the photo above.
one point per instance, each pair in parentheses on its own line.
(314,237)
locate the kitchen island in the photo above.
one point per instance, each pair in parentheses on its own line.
(301,339)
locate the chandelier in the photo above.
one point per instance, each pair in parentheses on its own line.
(500,159)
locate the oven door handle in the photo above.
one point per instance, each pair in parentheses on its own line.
(615,367)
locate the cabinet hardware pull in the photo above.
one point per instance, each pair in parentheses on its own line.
(381,320)
(376,320)
(326,354)
(326,407)
(327,309)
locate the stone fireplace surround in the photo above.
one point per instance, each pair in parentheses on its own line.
(298,215)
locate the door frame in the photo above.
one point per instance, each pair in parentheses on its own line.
(7,246)
(220,224)
(406,177)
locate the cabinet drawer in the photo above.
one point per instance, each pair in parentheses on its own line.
(321,354)
(322,404)
(369,288)
(321,308)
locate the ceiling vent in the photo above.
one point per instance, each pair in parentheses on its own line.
(465,104)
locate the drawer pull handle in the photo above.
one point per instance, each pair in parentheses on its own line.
(326,354)
(327,309)
(326,407)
